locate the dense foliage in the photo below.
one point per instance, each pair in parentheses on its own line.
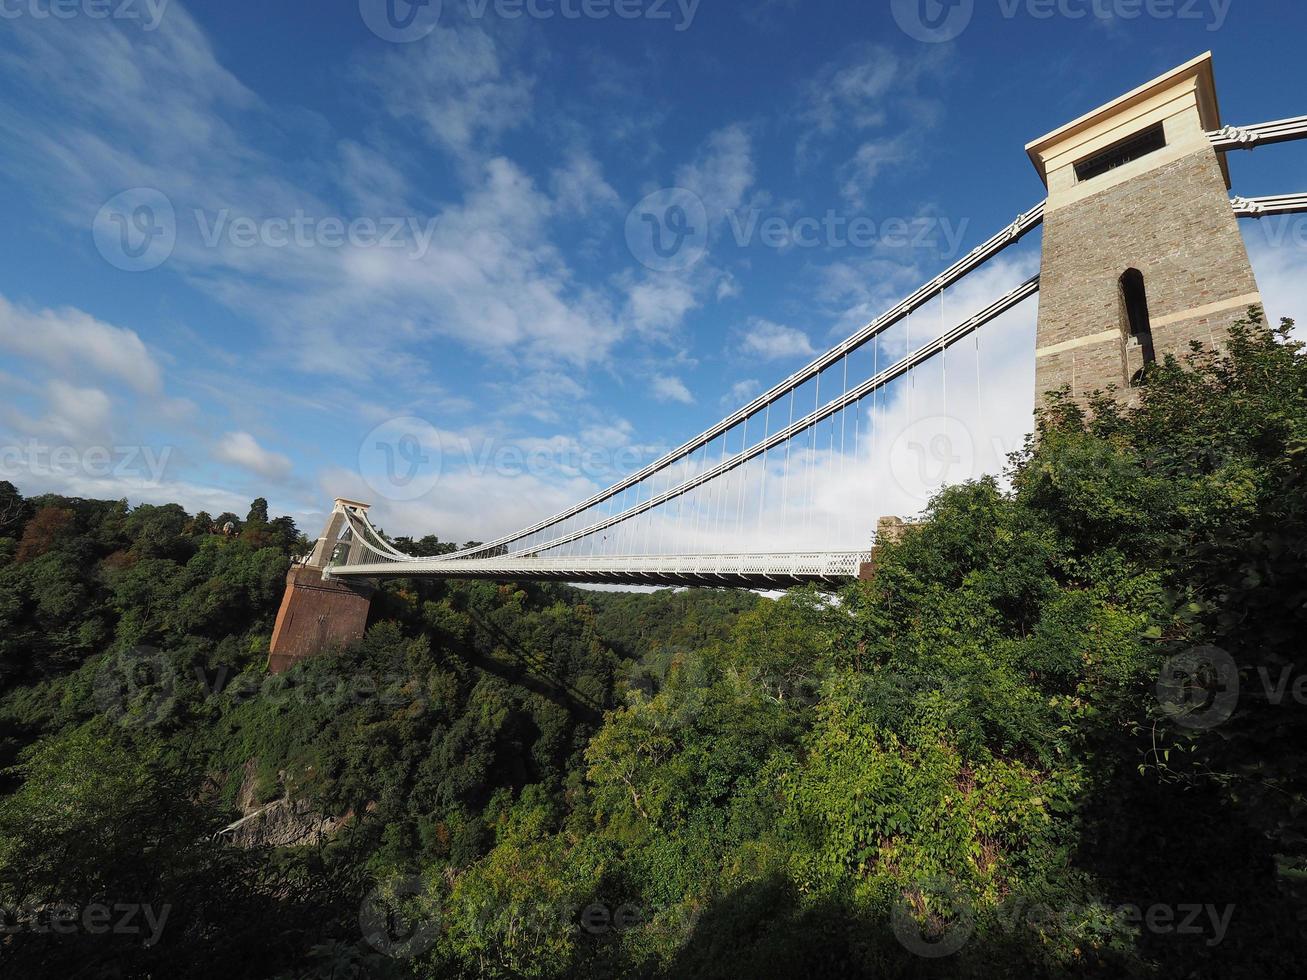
(968,766)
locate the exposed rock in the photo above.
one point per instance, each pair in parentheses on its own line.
(284,823)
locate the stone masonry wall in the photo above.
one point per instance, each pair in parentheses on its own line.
(316,614)
(1175,225)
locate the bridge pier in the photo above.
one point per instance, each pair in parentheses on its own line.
(888,531)
(319,612)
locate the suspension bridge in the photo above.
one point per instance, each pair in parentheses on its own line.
(1140,254)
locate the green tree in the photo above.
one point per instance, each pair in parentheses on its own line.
(258,512)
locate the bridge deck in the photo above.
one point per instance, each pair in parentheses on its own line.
(771,571)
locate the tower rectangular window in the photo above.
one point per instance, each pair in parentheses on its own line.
(1149,141)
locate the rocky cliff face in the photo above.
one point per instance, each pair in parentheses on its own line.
(286,822)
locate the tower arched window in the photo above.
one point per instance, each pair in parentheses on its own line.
(1138,327)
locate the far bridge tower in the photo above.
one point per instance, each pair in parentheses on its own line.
(319,612)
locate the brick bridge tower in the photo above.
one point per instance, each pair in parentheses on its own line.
(1141,250)
(317,611)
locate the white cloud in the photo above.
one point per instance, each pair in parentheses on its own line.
(858,175)
(889,455)
(466,505)
(491,280)
(722,172)
(763,338)
(243,450)
(544,395)
(77,414)
(59,338)
(741,393)
(493,480)
(850,93)
(862,88)
(720,175)
(670,389)
(868,87)
(372,179)
(167,115)
(579,187)
(656,306)
(454,85)
(139,486)
(1278,249)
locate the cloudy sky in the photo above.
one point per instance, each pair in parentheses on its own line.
(291,249)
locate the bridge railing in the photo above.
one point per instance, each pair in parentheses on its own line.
(782,568)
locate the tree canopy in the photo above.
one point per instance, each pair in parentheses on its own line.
(1055,736)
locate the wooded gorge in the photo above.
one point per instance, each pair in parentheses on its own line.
(1058,735)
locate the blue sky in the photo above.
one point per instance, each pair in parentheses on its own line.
(242,236)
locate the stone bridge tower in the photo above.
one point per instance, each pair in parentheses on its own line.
(1141,250)
(318,612)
